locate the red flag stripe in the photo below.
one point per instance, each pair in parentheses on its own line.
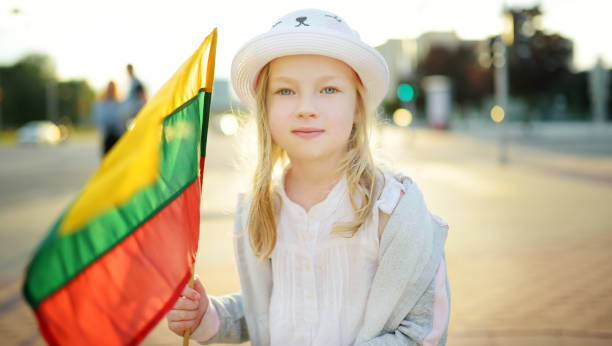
(111,301)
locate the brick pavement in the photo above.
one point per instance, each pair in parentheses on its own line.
(528,250)
(528,247)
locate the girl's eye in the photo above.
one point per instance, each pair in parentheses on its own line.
(329,90)
(285,92)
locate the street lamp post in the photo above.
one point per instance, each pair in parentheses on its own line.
(1,98)
(598,87)
(52,101)
(500,61)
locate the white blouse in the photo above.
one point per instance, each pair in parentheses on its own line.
(321,281)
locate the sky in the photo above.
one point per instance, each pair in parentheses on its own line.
(96,39)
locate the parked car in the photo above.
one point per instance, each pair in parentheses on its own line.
(39,132)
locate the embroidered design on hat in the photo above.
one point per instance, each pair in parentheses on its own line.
(334,17)
(277,23)
(301,21)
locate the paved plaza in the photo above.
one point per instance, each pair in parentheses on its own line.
(528,250)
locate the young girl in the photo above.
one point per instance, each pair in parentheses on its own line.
(335,251)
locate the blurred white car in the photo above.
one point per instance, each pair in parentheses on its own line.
(39,132)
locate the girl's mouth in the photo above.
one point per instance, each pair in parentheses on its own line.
(307,132)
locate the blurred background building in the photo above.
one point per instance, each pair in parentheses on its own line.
(543,84)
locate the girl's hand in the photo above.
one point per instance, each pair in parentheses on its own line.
(189,309)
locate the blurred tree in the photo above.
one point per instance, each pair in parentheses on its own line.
(24,86)
(38,64)
(76,98)
(471,81)
(540,65)
(575,90)
(537,62)
(388,107)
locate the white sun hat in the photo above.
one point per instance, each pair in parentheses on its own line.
(310,31)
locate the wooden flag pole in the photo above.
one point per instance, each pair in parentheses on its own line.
(188,331)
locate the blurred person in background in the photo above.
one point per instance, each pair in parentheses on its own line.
(132,105)
(108,119)
(136,97)
(135,83)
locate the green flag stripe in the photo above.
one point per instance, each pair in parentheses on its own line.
(207,99)
(61,258)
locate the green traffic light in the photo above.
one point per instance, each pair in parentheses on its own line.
(405,92)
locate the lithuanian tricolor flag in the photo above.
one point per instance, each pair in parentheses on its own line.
(119,256)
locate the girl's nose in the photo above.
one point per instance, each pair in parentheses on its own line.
(306,108)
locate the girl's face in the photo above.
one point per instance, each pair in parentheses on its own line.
(311,105)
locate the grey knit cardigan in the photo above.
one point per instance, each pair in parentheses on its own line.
(399,310)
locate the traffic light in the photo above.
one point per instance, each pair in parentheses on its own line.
(405,92)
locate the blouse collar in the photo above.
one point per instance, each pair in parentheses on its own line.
(319,211)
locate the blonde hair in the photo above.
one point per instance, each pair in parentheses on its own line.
(110,93)
(357,165)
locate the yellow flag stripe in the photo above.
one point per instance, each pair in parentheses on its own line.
(133,163)
(210,71)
